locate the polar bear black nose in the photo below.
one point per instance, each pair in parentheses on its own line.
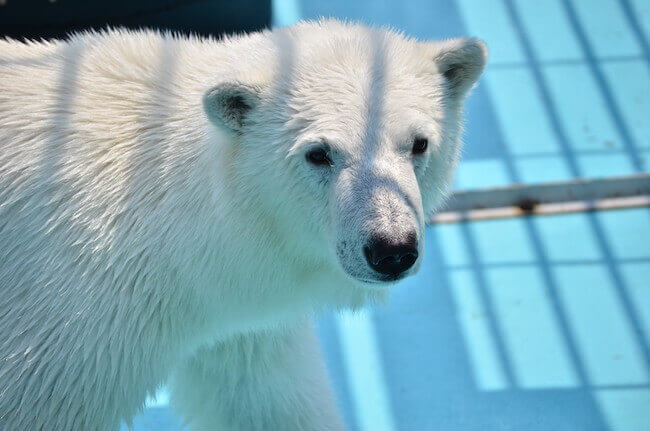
(389,257)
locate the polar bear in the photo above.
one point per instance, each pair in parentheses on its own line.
(179,208)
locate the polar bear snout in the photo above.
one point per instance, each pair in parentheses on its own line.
(391,258)
(378,221)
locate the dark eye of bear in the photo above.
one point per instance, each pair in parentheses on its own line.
(318,157)
(420,145)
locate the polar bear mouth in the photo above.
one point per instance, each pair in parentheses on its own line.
(383,280)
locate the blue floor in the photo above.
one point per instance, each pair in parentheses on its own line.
(533,324)
(537,324)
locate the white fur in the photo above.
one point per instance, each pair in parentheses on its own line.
(140,236)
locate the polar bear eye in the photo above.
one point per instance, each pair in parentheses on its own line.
(420,145)
(318,157)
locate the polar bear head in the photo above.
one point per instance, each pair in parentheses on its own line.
(345,137)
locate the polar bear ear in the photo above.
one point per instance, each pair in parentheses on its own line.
(461,62)
(229,104)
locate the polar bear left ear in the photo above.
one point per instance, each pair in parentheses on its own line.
(229,104)
(461,62)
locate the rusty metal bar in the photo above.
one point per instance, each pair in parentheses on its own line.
(550,198)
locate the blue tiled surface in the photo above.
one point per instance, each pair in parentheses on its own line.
(540,323)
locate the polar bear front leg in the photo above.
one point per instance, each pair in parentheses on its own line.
(271,381)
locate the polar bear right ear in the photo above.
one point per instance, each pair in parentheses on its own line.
(461,62)
(229,104)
